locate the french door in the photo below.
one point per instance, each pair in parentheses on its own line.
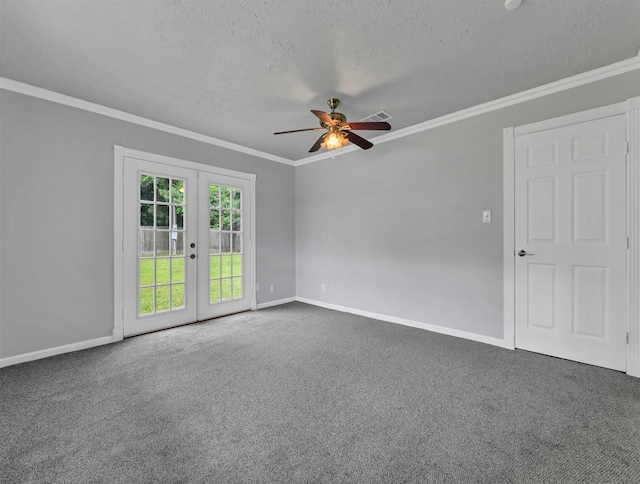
(186,245)
(571,242)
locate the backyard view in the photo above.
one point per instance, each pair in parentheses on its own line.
(171,270)
(161,256)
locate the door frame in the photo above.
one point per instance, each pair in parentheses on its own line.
(631,109)
(119,155)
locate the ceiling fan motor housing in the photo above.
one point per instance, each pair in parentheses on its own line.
(338,117)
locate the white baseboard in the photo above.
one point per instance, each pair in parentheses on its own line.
(415,324)
(276,303)
(633,367)
(58,350)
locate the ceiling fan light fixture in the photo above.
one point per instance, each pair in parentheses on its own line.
(334,140)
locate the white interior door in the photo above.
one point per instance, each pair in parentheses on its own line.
(571,242)
(187,245)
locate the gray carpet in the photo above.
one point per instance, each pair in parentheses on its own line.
(297,393)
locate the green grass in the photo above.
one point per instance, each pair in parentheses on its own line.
(170,271)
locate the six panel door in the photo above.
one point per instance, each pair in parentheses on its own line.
(570,206)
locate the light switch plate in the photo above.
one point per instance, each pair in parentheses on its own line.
(486,216)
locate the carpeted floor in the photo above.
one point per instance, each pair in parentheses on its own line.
(297,393)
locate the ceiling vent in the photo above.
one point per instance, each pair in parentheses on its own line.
(377,117)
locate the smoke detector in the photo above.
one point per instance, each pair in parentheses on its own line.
(512,4)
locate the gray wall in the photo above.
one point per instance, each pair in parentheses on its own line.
(397,230)
(56,194)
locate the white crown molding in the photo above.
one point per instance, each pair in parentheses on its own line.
(37,92)
(534,93)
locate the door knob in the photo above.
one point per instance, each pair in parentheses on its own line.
(193,256)
(193,245)
(522,253)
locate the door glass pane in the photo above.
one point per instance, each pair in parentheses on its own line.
(162,216)
(146,215)
(237,265)
(162,271)
(177,270)
(214,242)
(214,219)
(177,296)
(237,287)
(146,187)
(177,217)
(225,265)
(225,242)
(236,195)
(226,289)
(235,220)
(162,189)
(225,238)
(161,252)
(146,272)
(177,191)
(214,267)
(162,243)
(162,298)
(177,243)
(237,243)
(225,219)
(214,196)
(225,197)
(147,243)
(214,291)
(146,300)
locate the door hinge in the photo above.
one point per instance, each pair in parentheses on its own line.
(123,313)
(627,338)
(628,243)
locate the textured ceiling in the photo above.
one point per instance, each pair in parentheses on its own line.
(239,70)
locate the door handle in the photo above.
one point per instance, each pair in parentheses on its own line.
(193,256)
(522,253)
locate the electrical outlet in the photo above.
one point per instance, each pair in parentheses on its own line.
(257,286)
(323,287)
(271,288)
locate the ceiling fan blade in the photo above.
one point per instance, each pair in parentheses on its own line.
(298,130)
(358,140)
(383,126)
(324,117)
(317,144)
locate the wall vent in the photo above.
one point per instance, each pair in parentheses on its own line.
(377,117)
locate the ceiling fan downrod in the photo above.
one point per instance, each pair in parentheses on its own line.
(339,117)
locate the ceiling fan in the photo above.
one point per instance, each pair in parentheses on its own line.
(338,131)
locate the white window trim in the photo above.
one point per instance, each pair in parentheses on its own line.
(120,153)
(631,109)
